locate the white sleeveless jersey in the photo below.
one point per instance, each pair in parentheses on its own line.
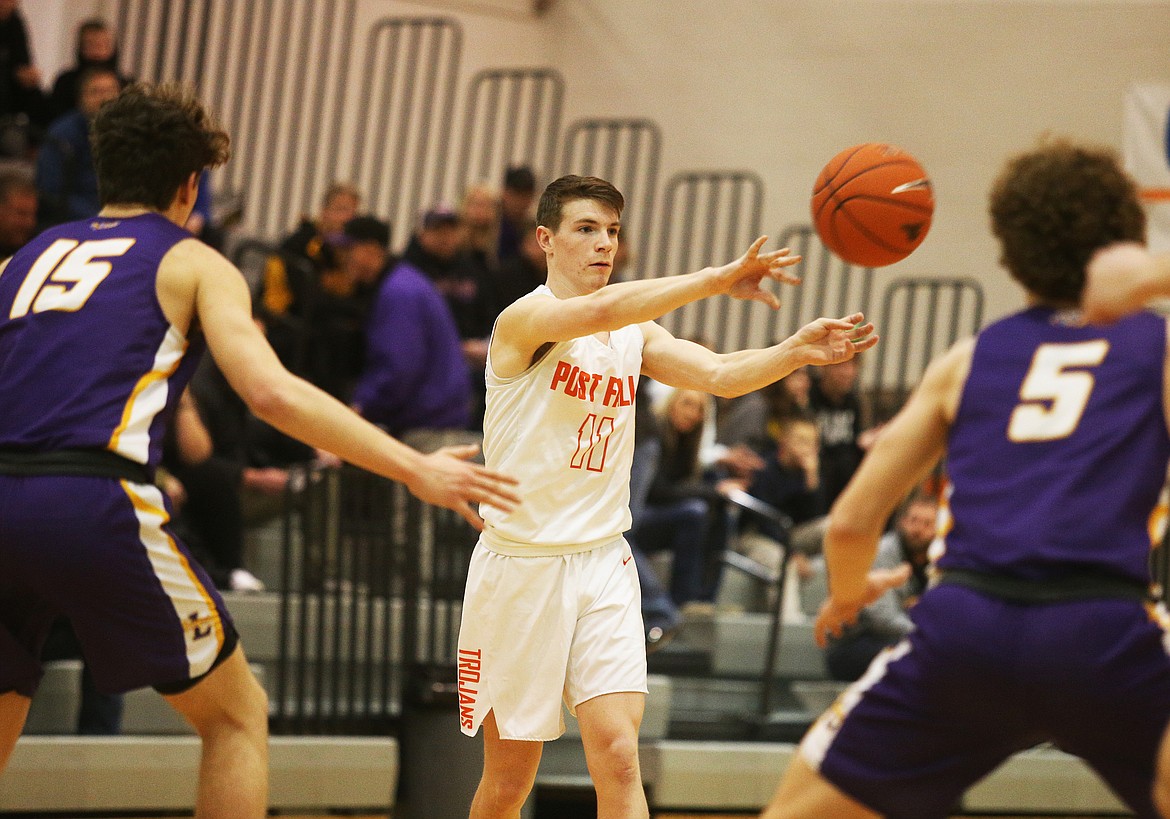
(565,429)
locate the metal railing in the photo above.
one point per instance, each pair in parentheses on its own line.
(372,586)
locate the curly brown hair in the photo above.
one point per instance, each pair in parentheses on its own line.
(149,139)
(550,209)
(1053,207)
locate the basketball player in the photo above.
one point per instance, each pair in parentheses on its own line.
(1039,628)
(552,607)
(101,325)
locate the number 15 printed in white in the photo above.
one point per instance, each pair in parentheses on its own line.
(65,275)
(1055,392)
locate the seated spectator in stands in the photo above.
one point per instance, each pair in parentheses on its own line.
(66,178)
(96,48)
(437,249)
(791,478)
(661,618)
(414,376)
(684,514)
(213,454)
(516,202)
(885,622)
(754,420)
(480,212)
(18,210)
(25,110)
(835,402)
(524,272)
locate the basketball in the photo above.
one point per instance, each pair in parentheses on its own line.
(872,204)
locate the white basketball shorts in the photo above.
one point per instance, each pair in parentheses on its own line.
(539,629)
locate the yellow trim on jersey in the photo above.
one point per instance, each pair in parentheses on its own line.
(159,512)
(154,376)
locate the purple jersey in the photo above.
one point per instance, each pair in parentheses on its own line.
(87,358)
(1059,449)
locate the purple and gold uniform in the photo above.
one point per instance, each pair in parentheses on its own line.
(1037,630)
(90,373)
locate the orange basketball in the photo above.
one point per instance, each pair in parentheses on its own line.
(872,204)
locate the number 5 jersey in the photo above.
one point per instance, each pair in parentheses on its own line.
(565,429)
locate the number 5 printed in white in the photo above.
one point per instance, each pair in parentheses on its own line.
(65,275)
(1054,395)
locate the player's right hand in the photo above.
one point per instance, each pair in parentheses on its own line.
(448,478)
(742,278)
(835,614)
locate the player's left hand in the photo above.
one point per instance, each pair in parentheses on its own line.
(831,341)
(835,614)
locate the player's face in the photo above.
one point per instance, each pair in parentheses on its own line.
(582,249)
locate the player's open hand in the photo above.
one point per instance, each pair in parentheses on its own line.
(1116,282)
(743,277)
(831,341)
(447,478)
(835,615)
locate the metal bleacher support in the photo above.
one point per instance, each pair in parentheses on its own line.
(710,217)
(512,116)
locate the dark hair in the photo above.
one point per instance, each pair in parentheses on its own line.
(91,25)
(13,181)
(520,178)
(570,188)
(149,139)
(1053,207)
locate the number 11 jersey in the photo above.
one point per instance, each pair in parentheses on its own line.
(565,429)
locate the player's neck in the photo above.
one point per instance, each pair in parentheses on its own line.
(125,211)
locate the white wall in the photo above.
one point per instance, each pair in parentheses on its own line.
(779,86)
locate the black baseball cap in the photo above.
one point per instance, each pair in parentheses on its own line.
(365,229)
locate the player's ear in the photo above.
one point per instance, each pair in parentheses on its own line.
(544,238)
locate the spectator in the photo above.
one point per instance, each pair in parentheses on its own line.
(207,452)
(18,210)
(66,177)
(837,407)
(524,272)
(414,376)
(791,478)
(516,203)
(437,249)
(24,109)
(684,514)
(96,48)
(885,622)
(754,420)
(480,211)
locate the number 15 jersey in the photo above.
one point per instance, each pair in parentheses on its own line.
(565,429)
(87,358)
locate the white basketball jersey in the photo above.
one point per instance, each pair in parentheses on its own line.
(565,429)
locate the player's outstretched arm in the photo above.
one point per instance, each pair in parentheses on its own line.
(445,477)
(687,365)
(903,455)
(532,322)
(1121,279)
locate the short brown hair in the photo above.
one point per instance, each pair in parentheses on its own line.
(149,139)
(550,210)
(1053,207)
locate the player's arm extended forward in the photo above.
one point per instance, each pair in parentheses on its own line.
(905,452)
(532,322)
(222,307)
(684,364)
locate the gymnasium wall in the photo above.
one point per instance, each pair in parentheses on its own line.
(778,87)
